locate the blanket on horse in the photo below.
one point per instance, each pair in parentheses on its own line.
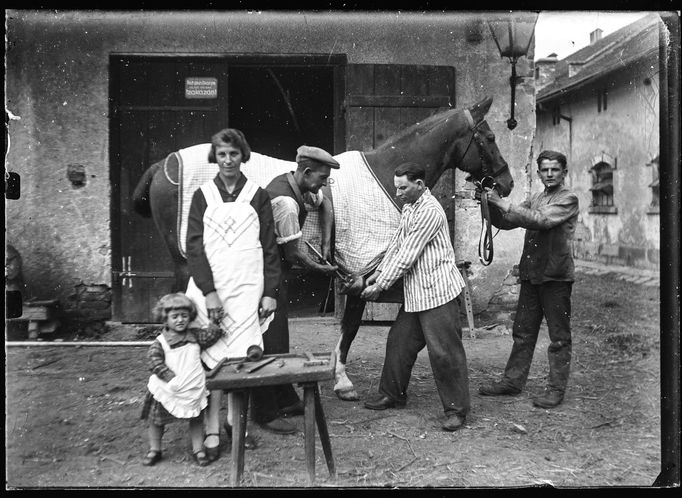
(365,217)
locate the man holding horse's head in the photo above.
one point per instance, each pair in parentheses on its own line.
(546,272)
(289,194)
(421,253)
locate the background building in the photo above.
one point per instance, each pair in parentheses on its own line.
(600,106)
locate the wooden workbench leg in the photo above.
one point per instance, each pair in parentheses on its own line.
(309,429)
(324,433)
(241,404)
(33,329)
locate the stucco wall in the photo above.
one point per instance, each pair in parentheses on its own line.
(57,83)
(628,131)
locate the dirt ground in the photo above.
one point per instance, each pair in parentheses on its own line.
(72,414)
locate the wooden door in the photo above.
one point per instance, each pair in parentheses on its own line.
(159,105)
(382,99)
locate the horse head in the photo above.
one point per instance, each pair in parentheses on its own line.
(476,152)
(455,138)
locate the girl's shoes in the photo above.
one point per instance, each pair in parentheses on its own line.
(201,458)
(151,458)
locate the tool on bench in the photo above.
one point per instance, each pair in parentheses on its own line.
(261,364)
(312,362)
(343,276)
(254,353)
(211,373)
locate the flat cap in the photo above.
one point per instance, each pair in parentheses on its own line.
(316,154)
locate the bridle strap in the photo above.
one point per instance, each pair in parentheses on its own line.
(485,241)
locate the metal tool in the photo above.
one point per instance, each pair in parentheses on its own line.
(211,373)
(224,361)
(312,362)
(260,364)
(339,274)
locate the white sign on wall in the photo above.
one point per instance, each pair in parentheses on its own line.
(201,88)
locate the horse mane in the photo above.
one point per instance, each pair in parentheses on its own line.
(425,126)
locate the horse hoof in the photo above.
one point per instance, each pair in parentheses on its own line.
(351,395)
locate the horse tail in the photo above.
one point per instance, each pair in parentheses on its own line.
(141,203)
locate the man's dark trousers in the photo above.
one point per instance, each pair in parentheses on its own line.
(440,331)
(553,301)
(266,401)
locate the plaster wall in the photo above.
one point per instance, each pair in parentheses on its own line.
(628,131)
(57,79)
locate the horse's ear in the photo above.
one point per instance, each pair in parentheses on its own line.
(480,109)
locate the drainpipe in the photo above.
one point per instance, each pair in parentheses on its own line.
(669,103)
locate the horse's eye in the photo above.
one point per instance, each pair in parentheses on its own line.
(491,137)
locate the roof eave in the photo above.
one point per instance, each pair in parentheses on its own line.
(570,86)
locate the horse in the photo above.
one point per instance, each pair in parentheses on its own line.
(454,138)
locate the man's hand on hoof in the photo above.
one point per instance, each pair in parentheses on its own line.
(371,293)
(353,286)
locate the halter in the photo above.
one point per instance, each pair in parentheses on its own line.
(487,181)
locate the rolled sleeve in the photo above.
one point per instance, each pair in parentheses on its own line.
(285,216)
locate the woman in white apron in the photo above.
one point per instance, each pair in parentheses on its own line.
(233,262)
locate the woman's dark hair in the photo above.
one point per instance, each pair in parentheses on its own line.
(230,136)
(552,155)
(176,301)
(413,171)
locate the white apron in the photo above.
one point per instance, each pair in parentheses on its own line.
(234,252)
(190,395)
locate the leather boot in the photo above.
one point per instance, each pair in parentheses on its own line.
(550,399)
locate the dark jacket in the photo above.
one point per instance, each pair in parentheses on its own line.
(549,218)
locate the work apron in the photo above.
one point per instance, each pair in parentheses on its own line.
(185,395)
(235,255)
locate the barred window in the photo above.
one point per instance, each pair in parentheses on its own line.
(601,171)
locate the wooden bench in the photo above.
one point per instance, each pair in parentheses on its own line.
(42,317)
(282,369)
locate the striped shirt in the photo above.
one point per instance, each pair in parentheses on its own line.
(422,253)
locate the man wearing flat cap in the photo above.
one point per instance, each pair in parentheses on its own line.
(546,272)
(289,194)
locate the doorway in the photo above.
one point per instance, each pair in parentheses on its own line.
(278,102)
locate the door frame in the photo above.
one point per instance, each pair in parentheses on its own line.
(338,63)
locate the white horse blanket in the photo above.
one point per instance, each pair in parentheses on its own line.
(365,216)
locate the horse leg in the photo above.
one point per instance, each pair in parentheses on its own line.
(350,323)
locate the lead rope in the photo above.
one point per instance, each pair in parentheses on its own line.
(485,241)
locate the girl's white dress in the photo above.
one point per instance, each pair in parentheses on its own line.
(185,395)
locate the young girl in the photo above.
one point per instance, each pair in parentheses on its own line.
(177,386)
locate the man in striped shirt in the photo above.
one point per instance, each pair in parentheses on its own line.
(421,253)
